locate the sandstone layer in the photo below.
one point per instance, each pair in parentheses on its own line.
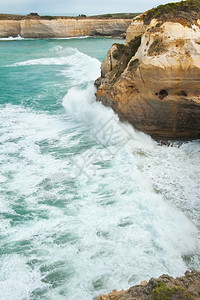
(58,28)
(163,288)
(153,81)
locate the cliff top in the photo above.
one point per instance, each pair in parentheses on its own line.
(35,16)
(188,10)
(116,16)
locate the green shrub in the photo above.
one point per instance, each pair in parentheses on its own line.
(174,9)
(123,54)
(157,47)
(162,292)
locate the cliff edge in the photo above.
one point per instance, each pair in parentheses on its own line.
(153,80)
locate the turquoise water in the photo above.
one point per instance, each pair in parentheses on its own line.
(87,204)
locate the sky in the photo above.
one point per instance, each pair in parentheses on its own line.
(76,7)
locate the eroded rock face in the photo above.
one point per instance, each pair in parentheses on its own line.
(114,295)
(40,28)
(158,89)
(135,29)
(9,28)
(109,63)
(163,288)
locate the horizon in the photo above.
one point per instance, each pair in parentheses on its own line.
(57,8)
(69,14)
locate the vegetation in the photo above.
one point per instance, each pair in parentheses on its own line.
(157,47)
(164,292)
(123,54)
(33,14)
(116,16)
(188,9)
(81,16)
(23,17)
(134,64)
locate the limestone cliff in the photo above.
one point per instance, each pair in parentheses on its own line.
(163,288)
(153,81)
(59,27)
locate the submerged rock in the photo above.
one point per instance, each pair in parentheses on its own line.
(153,81)
(163,288)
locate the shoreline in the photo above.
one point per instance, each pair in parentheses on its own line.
(19,38)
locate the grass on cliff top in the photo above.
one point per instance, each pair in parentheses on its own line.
(36,17)
(188,9)
(24,17)
(164,292)
(116,16)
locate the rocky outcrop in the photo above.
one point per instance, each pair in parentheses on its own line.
(114,295)
(154,84)
(58,28)
(9,28)
(163,288)
(135,29)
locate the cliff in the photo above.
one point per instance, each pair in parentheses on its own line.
(163,288)
(63,27)
(153,81)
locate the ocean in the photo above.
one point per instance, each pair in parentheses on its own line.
(87,204)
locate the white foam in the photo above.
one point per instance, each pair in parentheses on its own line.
(150,216)
(44,61)
(17,280)
(10,38)
(95,204)
(74,37)
(2,178)
(118,221)
(57,48)
(166,169)
(83,68)
(104,124)
(72,58)
(76,65)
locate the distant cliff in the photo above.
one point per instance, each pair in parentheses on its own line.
(63,27)
(153,81)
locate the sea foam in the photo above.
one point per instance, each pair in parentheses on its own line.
(87,201)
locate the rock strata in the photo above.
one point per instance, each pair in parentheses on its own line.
(163,288)
(153,80)
(58,28)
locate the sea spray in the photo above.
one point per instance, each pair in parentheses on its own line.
(88,204)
